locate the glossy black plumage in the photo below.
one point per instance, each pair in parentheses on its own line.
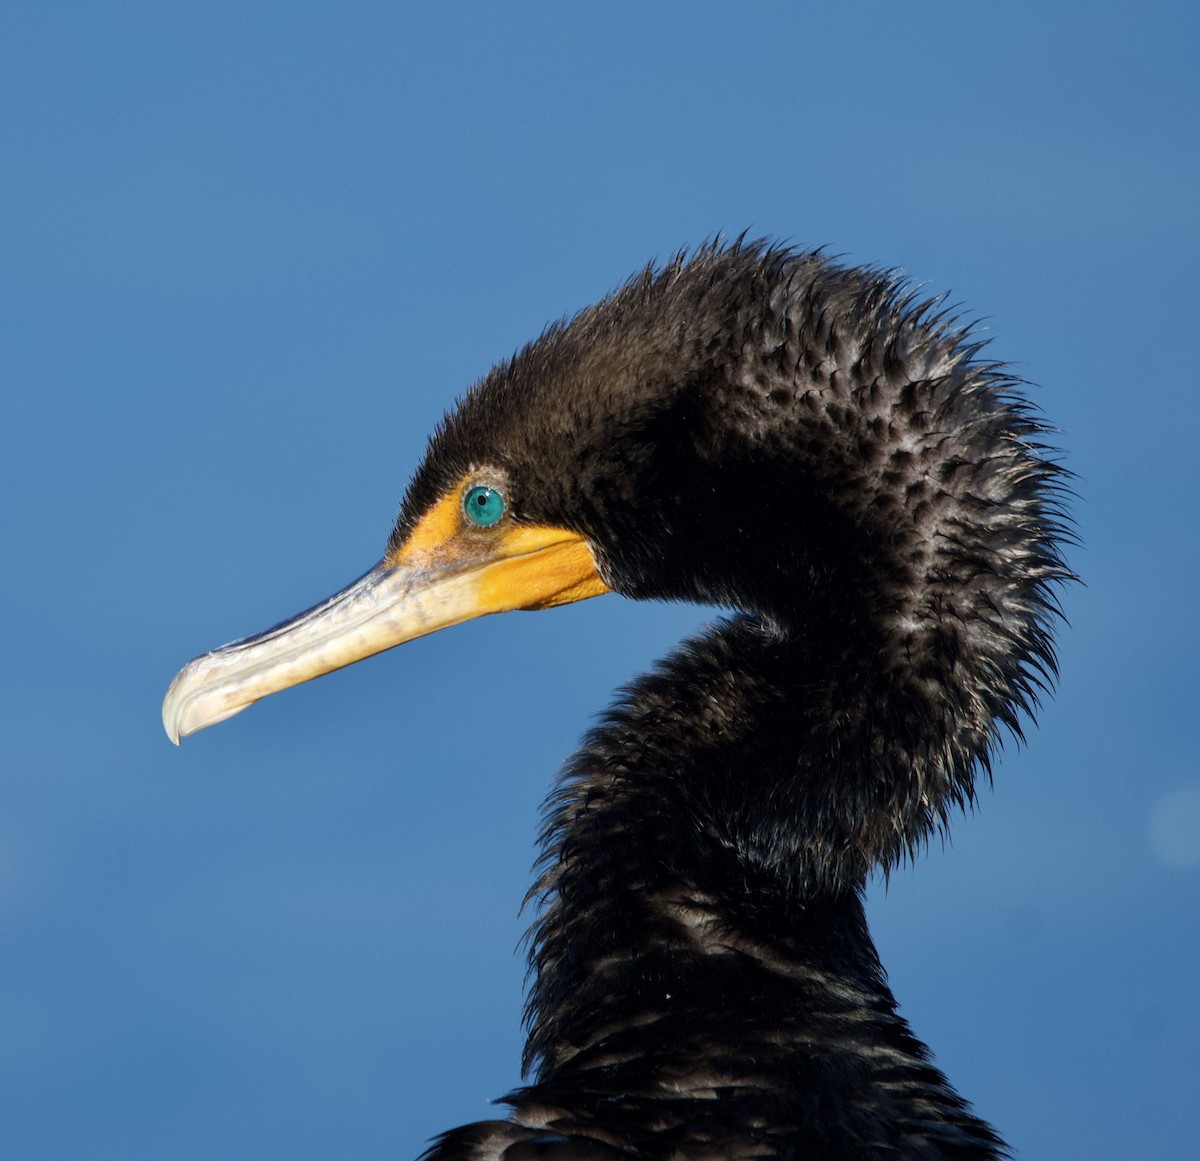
(801,443)
(806,444)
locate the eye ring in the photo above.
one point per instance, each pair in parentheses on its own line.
(483,505)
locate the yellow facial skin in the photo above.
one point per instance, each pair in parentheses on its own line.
(448,570)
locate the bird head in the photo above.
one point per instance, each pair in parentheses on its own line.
(747,428)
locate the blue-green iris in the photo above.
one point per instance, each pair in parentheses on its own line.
(483,505)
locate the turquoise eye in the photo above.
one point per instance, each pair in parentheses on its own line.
(483,505)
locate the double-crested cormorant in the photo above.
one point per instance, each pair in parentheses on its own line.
(767,431)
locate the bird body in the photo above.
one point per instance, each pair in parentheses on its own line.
(772,433)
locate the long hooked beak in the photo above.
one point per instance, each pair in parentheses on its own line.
(443,575)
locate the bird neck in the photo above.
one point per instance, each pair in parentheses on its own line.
(711,786)
(714,794)
(698,898)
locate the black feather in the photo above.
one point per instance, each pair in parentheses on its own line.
(818,449)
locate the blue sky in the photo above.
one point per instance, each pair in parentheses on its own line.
(248,255)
